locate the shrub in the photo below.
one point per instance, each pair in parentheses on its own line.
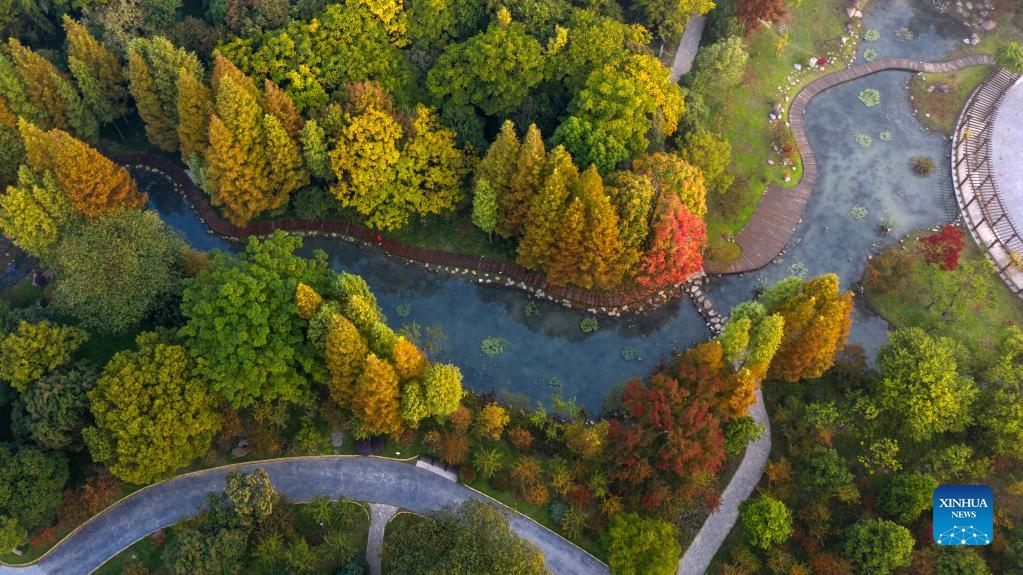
(922,165)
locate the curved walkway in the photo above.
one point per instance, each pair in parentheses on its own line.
(781,209)
(484,269)
(370,479)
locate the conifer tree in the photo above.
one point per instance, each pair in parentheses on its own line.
(601,262)
(314,150)
(50,92)
(195,106)
(94,184)
(35,212)
(525,181)
(540,236)
(154,66)
(15,94)
(498,165)
(375,403)
(563,264)
(92,64)
(484,207)
(279,103)
(346,353)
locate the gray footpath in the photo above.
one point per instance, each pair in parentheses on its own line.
(366,479)
(379,515)
(687,47)
(717,526)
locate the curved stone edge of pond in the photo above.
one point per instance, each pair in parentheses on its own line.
(479,269)
(368,479)
(780,210)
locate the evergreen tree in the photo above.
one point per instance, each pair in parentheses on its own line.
(154,66)
(376,398)
(525,181)
(99,74)
(195,106)
(280,105)
(94,184)
(35,212)
(540,232)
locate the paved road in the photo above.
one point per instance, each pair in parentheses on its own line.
(717,526)
(300,479)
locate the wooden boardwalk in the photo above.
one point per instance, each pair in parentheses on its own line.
(781,209)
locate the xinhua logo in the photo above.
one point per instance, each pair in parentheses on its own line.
(964,515)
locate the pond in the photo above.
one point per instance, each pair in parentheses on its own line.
(548,353)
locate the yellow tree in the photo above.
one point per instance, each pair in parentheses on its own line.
(540,230)
(513,205)
(195,106)
(375,404)
(35,212)
(98,66)
(364,162)
(346,354)
(95,185)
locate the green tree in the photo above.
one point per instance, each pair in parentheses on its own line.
(36,349)
(31,485)
(243,327)
(55,408)
(642,546)
(878,546)
(719,66)
(153,416)
(154,66)
(484,207)
(904,496)
(99,74)
(766,521)
(493,70)
(712,155)
(36,212)
(113,271)
(920,384)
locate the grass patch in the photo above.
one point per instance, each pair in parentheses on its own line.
(813,29)
(985,308)
(938,98)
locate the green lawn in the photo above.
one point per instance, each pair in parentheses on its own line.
(814,29)
(978,327)
(938,109)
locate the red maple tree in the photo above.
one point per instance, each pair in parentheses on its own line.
(942,248)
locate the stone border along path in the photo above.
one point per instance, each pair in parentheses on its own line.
(369,479)
(780,211)
(482,269)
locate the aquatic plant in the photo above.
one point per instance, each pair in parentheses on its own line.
(870,97)
(493,346)
(589,324)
